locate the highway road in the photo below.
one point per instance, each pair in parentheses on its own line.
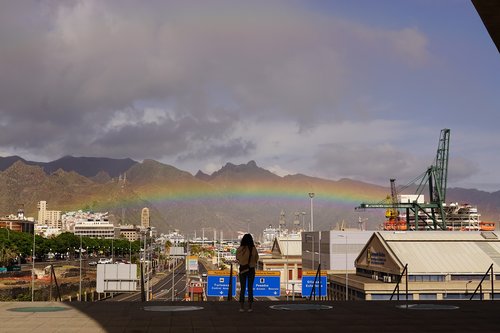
(164,282)
(162,287)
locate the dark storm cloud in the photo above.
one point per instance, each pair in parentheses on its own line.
(365,162)
(68,69)
(380,162)
(233,149)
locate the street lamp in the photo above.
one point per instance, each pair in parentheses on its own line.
(311,227)
(346,275)
(466,285)
(287,269)
(33,269)
(310,237)
(80,255)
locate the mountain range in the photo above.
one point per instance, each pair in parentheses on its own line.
(235,198)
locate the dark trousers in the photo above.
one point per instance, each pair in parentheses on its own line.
(244,278)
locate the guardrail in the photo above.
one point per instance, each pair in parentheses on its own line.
(404,273)
(317,277)
(480,285)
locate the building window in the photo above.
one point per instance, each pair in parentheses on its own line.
(426,278)
(466,277)
(427,296)
(381,297)
(455,296)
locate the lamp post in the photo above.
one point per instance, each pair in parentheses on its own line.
(466,285)
(173,280)
(310,237)
(33,269)
(80,255)
(287,269)
(146,264)
(311,227)
(346,275)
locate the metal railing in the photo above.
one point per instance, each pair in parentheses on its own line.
(480,285)
(404,273)
(230,289)
(317,278)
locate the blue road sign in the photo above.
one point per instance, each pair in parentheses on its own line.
(218,285)
(266,284)
(308,282)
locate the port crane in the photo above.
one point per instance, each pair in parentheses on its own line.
(435,180)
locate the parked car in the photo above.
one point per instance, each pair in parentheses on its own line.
(92,263)
(105,261)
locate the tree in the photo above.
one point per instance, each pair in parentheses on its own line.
(168,245)
(7,255)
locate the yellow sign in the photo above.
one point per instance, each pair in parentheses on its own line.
(313,273)
(219,273)
(267,273)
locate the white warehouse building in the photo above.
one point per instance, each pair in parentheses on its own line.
(441,265)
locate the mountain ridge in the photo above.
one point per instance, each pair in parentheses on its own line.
(234,198)
(85,166)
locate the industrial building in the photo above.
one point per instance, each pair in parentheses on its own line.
(441,265)
(335,249)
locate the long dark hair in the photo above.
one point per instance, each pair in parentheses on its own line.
(247,240)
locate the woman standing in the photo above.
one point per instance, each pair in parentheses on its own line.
(247,257)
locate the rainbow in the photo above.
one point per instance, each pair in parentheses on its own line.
(255,193)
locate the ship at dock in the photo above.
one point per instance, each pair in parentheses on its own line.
(458,217)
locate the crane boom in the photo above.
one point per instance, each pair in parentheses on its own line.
(441,165)
(435,178)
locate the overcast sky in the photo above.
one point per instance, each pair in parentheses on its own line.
(334,89)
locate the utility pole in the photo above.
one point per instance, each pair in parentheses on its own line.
(146,264)
(33,268)
(80,286)
(311,195)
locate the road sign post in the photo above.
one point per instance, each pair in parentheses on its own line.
(218,283)
(266,284)
(308,282)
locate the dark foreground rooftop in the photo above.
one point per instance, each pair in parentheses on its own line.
(383,316)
